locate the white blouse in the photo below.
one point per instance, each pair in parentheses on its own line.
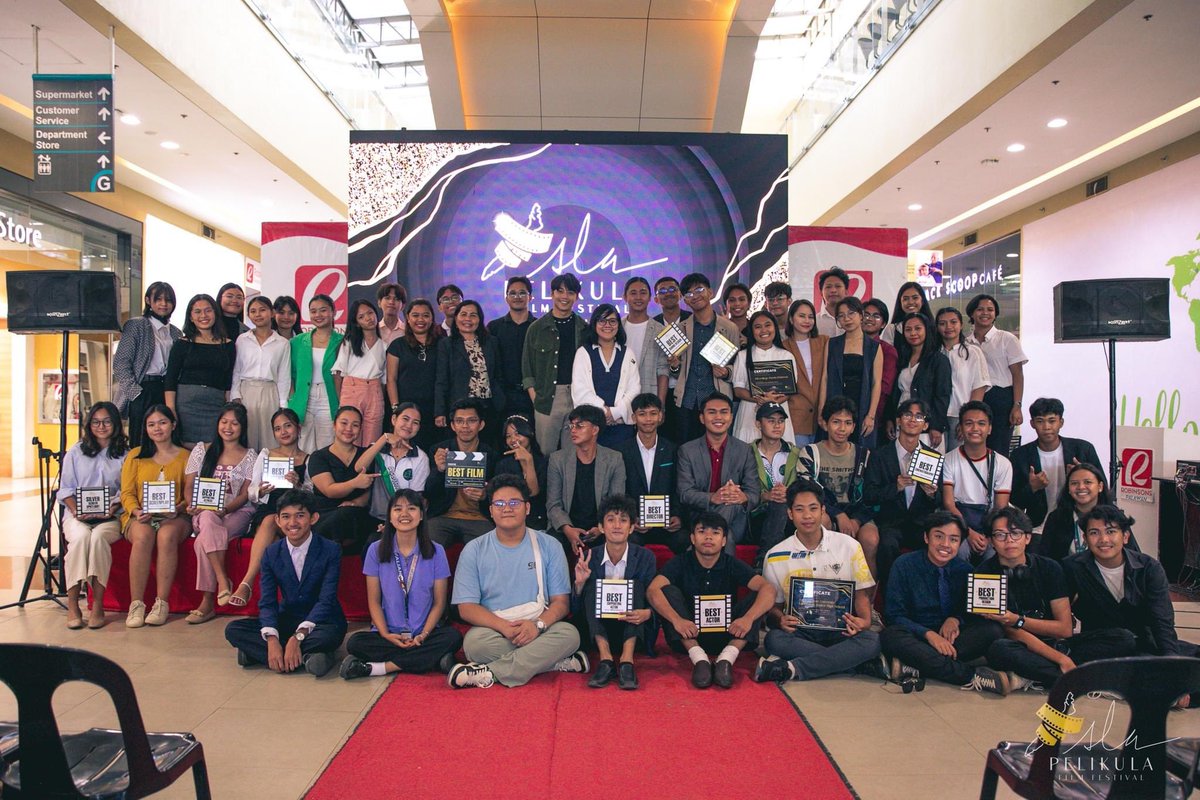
(966,375)
(743,421)
(369,366)
(240,474)
(269,361)
(629,384)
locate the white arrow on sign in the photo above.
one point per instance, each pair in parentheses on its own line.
(104,112)
(463,455)
(103,161)
(104,137)
(103,92)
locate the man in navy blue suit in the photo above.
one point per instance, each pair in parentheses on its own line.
(299,604)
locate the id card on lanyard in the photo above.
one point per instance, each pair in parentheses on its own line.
(406,582)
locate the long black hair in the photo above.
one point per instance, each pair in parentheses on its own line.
(148,448)
(790,327)
(118,444)
(214,451)
(603,311)
(752,344)
(434,331)
(218,329)
(287,301)
(388,540)
(1065,500)
(354,332)
(156,291)
(241,314)
(963,353)
(929,347)
(523,427)
(898,312)
(266,301)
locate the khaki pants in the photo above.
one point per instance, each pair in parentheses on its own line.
(514,666)
(90,552)
(551,428)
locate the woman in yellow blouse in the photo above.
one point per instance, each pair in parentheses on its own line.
(160,458)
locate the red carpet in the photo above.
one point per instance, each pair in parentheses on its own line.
(556,738)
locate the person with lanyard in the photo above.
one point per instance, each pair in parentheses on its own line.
(509,332)
(795,651)
(412,367)
(548,359)
(399,462)
(668,296)
(854,369)
(454,513)
(139,363)
(968,370)
(342,490)
(1005,365)
(408,589)
(875,315)
(606,375)
(314,396)
(199,371)
(778,295)
(924,373)
(698,378)
(231,300)
(833,284)
(808,351)
(736,300)
(390,298)
(524,459)
(641,331)
(468,365)
(287,316)
(778,464)
(910,299)
(976,480)
(359,369)
(1040,467)
(765,345)
(262,373)
(448,298)
(1062,534)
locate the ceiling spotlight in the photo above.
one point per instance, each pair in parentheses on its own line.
(1057,122)
(130,119)
(169,145)
(1015,147)
(914,207)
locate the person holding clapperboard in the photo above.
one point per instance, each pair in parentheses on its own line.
(455,485)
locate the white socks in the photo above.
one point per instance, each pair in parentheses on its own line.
(377,668)
(696,654)
(730,654)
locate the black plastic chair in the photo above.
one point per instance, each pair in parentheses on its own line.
(126,763)
(1150,685)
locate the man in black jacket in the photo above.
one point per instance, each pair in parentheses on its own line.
(1040,467)
(650,470)
(454,513)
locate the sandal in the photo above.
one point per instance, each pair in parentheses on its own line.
(74,623)
(198,617)
(236,600)
(223,597)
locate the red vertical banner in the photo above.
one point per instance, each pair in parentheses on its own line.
(304,259)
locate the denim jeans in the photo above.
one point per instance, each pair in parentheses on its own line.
(816,654)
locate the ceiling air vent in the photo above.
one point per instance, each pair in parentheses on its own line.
(970,239)
(209,233)
(1097,186)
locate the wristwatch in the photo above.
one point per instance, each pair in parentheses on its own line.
(1020,623)
(301,634)
(541,626)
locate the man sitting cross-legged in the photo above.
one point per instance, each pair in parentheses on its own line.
(705,571)
(511,586)
(795,651)
(618,559)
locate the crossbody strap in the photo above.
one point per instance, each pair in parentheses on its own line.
(537,565)
(987,485)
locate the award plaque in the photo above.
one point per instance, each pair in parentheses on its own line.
(672,340)
(466,470)
(93,501)
(773,376)
(655,511)
(987,594)
(275,472)
(925,465)
(208,494)
(712,612)
(718,351)
(820,603)
(613,598)
(158,497)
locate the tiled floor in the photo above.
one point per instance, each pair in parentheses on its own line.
(268,736)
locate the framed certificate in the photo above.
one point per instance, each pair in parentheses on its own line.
(987,594)
(718,351)
(820,603)
(613,598)
(712,612)
(158,497)
(925,466)
(466,470)
(672,340)
(93,500)
(208,494)
(275,471)
(773,376)
(655,510)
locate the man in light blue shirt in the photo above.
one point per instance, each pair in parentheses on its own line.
(511,585)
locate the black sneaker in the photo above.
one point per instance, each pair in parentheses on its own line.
(244,659)
(446,663)
(989,680)
(318,663)
(702,674)
(627,676)
(874,668)
(723,674)
(463,675)
(772,670)
(354,668)
(603,675)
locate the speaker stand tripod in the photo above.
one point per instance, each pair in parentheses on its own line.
(1114,466)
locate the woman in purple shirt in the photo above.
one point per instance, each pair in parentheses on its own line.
(408,580)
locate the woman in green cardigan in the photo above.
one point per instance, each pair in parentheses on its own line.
(314,396)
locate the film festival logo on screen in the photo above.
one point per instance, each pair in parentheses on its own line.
(861,286)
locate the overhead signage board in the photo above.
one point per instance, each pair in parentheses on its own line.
(73,133)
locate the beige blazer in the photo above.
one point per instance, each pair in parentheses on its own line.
(802,406)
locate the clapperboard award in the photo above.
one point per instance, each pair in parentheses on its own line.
(275,471)
(158,497)
(820,604)
(613,598)
(466,470)
(655,511)
(773,376)
(718,351)
(987,594)
(672,340)
(712,612)
(208,494)
(93,501)
(925,465)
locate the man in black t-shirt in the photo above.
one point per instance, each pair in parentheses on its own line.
(708,576)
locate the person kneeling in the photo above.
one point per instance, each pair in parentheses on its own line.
(408,585)
(511,586)
(303,569)
(707,579)
(618,561)
(795,650)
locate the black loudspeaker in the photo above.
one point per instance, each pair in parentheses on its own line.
(1125,309)
(63,300)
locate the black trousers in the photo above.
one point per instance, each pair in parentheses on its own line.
(153,393)
(370,646)
(1000,401)
(769,527)
(894,536)
(1013,656)
(678,541)
(246,635)
(710,642)
(975,636)
(613,631)
(350,526)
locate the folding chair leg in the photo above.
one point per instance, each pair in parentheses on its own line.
(987,791)
(200,778)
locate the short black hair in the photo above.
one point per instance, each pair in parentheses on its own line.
(449,287)
(632,281)
(507,480)
(1017,520)
(692,279)
(834,272)
(710,519)
(565,281)
(979,298)
(838,404)
(518,279)
(467,404)
(851,302)
(1109,513)
(777,289)
(666,279)
(975,405)
(939,518)
(733,287)
(718,396)
(907,405)
(586,413)
(645,400)
(392,289)
(802,485)
(1046,405)
(297,497)
(881,306)
(619,503)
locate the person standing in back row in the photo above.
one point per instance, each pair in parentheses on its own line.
(547,361)
(1006,370)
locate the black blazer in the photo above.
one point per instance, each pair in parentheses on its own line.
(1059,532)
(640,567)
(454,374)
(437,494)
(662,475)
(931,383)
(1028,455)
(881,494)
(1146,610)
(313,597)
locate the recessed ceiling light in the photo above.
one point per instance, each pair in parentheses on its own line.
(130,119)
(169,145)
(1013,255)
(914,207)
(1015,147)
(1057,122)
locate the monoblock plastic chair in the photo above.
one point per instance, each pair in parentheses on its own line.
(98,763)
(1150,685)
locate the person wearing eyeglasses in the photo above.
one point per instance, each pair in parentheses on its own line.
(668,296)
(779,297)
(509,332)
(875,316)
(698,378)
(606,374)
(454,513)
(448,298)
(548,359)
(579,478)
(412,368)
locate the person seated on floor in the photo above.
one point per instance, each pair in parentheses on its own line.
(454,513)
(929,632)
(708,575)
(716,472)
(650,470)
(899,503)
(300,621)
(619,559)
(341,489)
(1040,467)
(408,587)
(976,480)
(397,459)
(795,651)
(578,478)
(777,461)
(511,586)
(1037,646)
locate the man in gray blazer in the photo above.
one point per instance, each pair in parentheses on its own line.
(578,479)
(735,488)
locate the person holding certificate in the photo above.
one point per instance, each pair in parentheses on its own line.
(610,592)
(91,471)
(158,464)
(228,460)
(454,511)
(408,588)
(699,377)
(650,470)
(695,598)
(822,613)
(762,373)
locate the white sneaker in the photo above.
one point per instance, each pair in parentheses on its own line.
(576,662)
(1018,684)
(136,617)
(900,670)
(463,675)
(987,679)
(158,612)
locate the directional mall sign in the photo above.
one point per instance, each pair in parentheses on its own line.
(73,133)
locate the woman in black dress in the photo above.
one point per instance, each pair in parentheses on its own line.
(468,365)
(200,371)
(412,368)
(343,493)
(854,369)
